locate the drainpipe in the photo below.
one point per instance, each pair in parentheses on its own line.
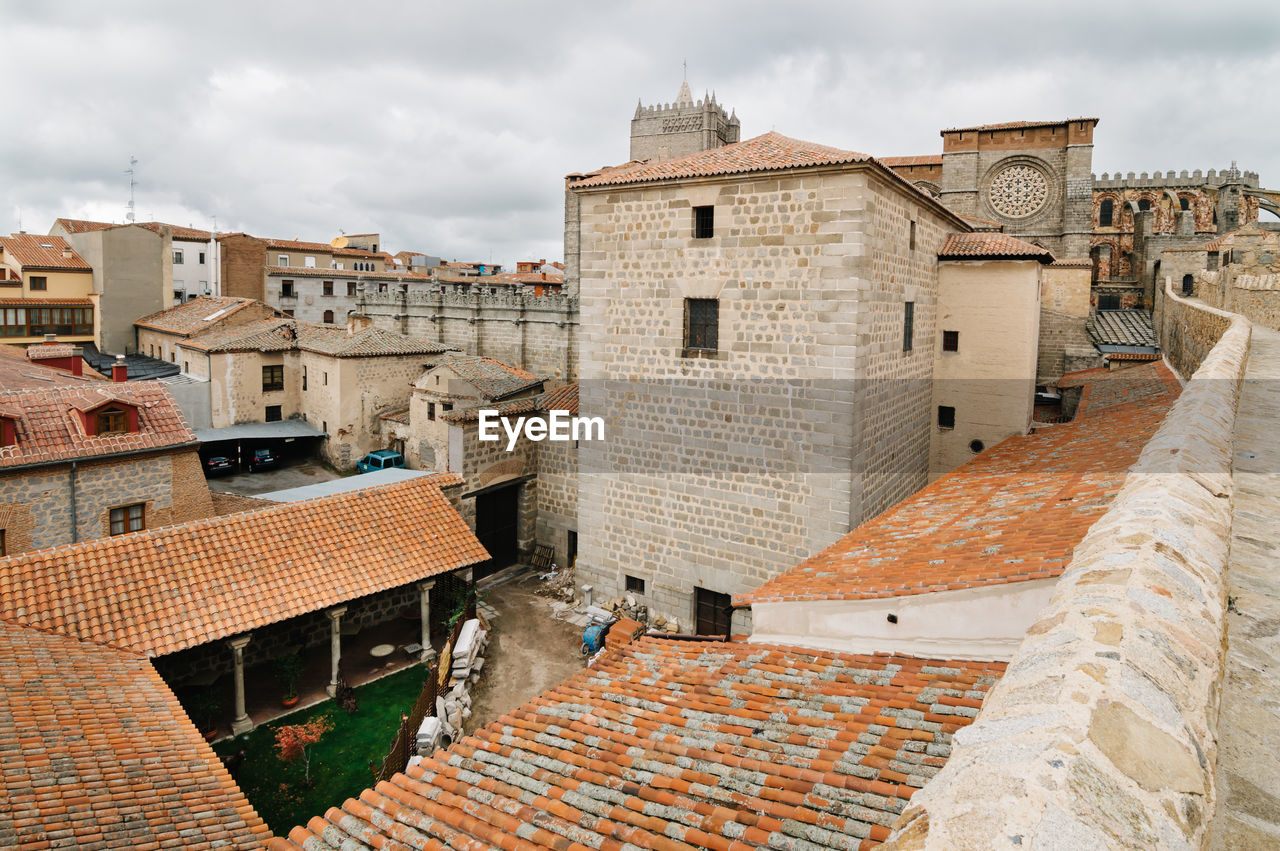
(75,532)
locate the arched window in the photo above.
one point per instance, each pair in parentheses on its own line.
(328,317)
(1105,211)
(1188,284)
(1184,203)
(1144,205)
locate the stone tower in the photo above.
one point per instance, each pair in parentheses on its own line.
(671,130)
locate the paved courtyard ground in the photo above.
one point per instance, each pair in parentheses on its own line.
(529,651)
(292,474)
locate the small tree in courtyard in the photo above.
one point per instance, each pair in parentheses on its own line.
(295,741)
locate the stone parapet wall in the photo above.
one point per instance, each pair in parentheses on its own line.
(1102,733)
(1187,331)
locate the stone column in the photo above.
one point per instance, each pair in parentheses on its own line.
(424,604)
(335,646)
(240,723)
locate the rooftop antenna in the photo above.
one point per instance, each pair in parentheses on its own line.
(130,216)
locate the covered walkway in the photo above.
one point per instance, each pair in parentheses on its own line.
(1248,773)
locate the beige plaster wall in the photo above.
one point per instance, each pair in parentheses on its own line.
(990,380)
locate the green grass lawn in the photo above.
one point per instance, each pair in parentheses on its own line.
(339,762)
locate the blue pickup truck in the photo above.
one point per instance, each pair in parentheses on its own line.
(382,459)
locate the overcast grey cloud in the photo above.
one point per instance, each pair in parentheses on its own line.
(449,128)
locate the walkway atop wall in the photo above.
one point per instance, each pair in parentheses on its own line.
(1248,772)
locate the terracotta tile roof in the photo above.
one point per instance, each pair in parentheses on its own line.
(179,232)
(987,224)
(42,302)
(167,589)
(196,315)
(95,752)
(49,432)
(675,745)
(399,415)
(347,274)
(1013,513)
(563,398)
(1138,356)
(370,342)
(1122,328)
(18,372)
(32,251)
(1016,125)
(926,159)
(1077,262)
(494,379)
(990,246)
(1214,244)
(258,335)
(768,152)
(48,351)
(319,248)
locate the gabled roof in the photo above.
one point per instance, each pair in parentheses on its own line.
(320,248)
(676,745)
(179,232)
(926,159)
(195,315)
(369,342)
(49,431)
(167,589)
(32,251)
(768,152)
(493,378)
(18,372)
(96,752)
(1013,513)
(563,398)
(986,245)
(257,335)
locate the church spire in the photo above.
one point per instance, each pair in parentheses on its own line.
(685,97)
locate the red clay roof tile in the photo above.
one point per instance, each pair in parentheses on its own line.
(95,752)
(987,245)
(32,251)
(196,315)
(167,589)
(1014,513)
(682,745)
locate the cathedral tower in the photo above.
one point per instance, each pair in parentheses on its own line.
(684,127)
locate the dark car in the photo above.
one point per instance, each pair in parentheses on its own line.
(218,464)
(263,459)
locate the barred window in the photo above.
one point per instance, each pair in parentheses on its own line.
(702,324)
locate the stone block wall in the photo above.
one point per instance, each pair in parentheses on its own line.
(1187,332)
(557,493)
(35,505)
(720,469)
(1064,308)
(536,333)
(1102,732)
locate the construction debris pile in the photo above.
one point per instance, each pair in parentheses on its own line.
(453,706)
(628,607)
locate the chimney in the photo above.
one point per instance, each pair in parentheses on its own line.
(50,339)
(66,252)
(119,372)
(357,322)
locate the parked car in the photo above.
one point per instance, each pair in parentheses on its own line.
(263,459)
(382,459)
(218,464)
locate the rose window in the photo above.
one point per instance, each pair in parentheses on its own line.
(1018,191)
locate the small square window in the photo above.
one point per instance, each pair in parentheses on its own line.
(177,256)
(951,341)
(39,282)
(273,377)
(128,518)
(635,585)
(286,289)
(282,259)
(327,288)
(908,326)
(351,289)
(309,262)
(201,258)
(946,416)
(701,324)
(274,413)
(704,222)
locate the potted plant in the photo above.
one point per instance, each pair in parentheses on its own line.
(288,669)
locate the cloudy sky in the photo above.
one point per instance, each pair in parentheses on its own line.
(448,128)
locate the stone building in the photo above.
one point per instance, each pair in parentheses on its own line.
(1239,271)
(732,300)
(682,127)
(85,458)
